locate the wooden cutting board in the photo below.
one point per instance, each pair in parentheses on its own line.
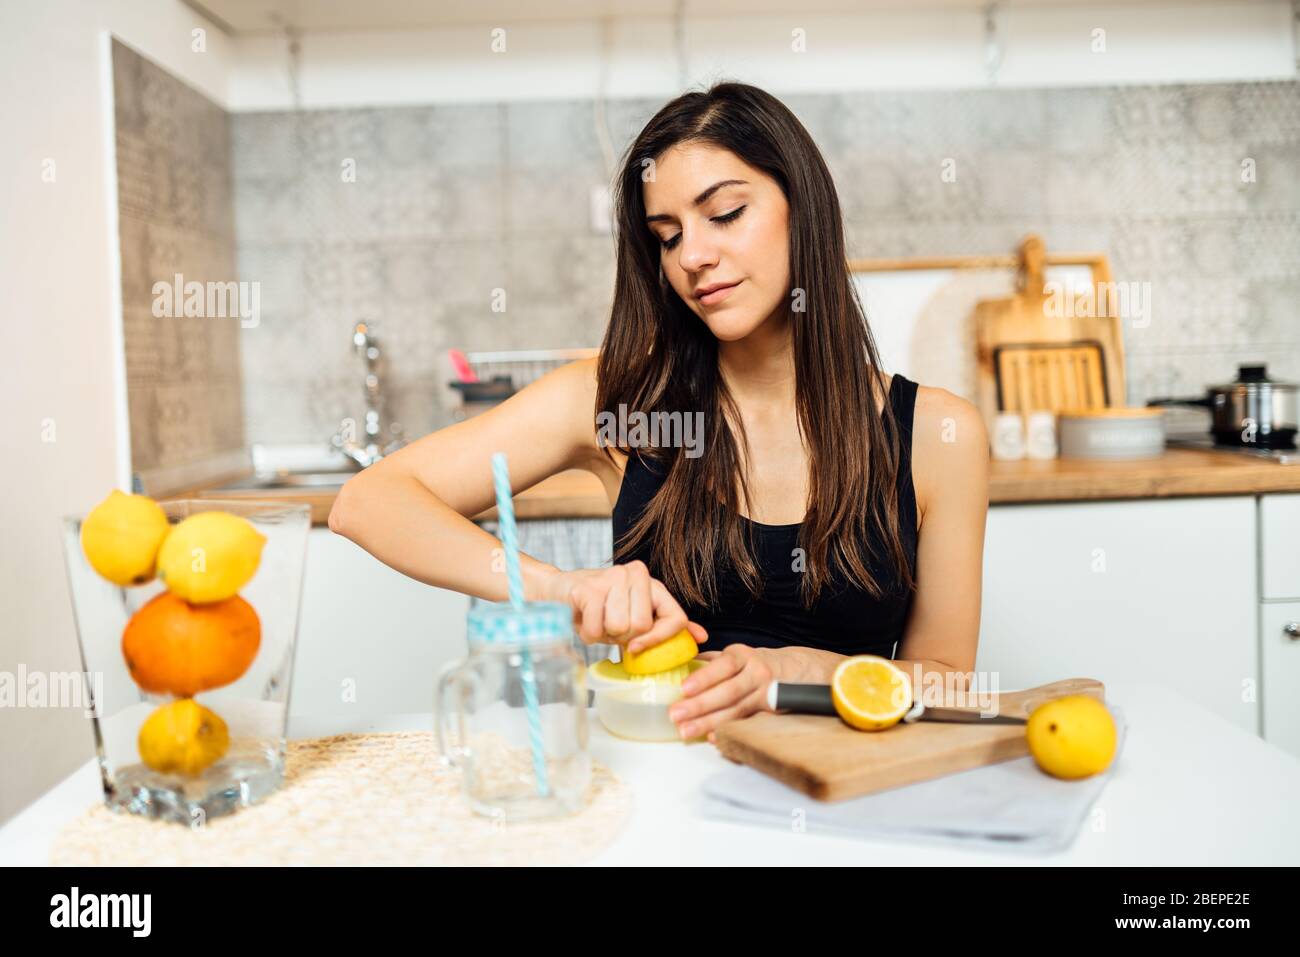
(826,759)
(1052,377)
(1067,340)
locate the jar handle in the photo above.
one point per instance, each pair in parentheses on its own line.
(453,753)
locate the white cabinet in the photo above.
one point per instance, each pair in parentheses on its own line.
(370,640)
(1156,589)
(1279,534)
(1279,620)
(1280,663)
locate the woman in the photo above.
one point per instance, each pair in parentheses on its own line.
(824,508)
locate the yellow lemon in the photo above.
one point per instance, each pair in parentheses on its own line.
(871,693)
(182,737)
(121,535)
(665,656)
(1072,737)
(210,556)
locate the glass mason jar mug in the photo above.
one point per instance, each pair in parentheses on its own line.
(513,715)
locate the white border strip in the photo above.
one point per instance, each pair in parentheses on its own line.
(108,132)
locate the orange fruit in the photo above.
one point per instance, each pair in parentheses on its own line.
(173,647)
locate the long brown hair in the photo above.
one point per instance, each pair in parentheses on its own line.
(658,356)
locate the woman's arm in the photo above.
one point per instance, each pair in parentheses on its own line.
(950,470)
(410,511)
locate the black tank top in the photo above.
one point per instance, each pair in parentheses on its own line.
(845,618)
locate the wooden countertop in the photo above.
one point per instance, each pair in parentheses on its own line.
(1177,472)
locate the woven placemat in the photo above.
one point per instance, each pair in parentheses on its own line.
(355,799)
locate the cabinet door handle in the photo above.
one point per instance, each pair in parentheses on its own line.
(1292,629)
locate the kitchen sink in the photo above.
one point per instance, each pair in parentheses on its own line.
(289,480)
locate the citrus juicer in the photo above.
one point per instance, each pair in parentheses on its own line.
(633,695)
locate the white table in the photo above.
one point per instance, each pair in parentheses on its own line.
(1190,789)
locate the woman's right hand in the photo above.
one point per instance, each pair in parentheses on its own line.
(621,604)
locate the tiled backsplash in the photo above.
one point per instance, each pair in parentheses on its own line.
(448,205)
(175,217)
(411,218)
(451,202)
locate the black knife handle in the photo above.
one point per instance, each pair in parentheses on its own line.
(805,699)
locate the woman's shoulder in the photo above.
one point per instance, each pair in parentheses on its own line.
(935,406)
(577,383)
(949,443)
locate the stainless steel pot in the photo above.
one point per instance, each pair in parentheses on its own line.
(1252,411)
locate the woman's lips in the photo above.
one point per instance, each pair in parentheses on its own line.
(717,295)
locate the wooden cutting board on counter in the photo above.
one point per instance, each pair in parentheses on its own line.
(826,759)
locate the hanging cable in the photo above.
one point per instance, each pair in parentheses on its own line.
(1295,32)
(679,43)
(992,42)
(602,93)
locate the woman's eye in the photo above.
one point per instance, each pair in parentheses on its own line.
(722,220)
(730,217)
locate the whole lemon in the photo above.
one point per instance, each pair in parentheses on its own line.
(182,737)
(210,556)
(121,536)
(1072,737)
(173,647)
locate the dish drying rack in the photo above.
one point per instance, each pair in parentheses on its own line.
(521,367)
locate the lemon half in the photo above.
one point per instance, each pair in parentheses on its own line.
(871,693)
(665,656)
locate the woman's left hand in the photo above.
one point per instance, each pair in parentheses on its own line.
(733,684)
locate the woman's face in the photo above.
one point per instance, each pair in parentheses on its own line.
(735,235)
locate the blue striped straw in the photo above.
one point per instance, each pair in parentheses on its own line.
(515,584)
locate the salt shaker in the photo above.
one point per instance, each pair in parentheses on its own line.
(1041,441)
(1008,436)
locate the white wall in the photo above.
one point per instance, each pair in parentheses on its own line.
(1151,42)
(62,326)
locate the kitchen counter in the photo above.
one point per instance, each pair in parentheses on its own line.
(1178,472)
(1190,789)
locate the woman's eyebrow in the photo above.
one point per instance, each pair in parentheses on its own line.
(702,198)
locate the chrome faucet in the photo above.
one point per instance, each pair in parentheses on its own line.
(373,445)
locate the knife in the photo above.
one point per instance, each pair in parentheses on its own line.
(816,699)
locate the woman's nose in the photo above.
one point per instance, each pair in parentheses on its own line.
(696,251)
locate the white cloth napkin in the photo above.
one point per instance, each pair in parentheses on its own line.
(1011,806)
